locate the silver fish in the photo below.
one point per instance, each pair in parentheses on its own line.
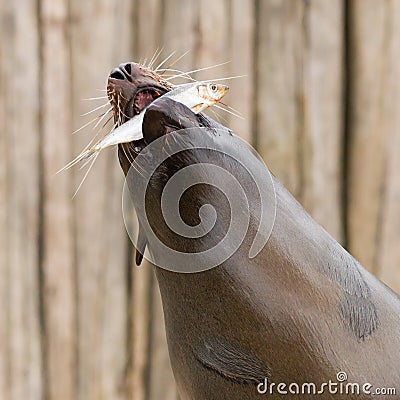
(195,95)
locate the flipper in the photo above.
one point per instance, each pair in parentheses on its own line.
(141,246)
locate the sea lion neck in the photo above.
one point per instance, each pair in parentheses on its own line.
(298,309)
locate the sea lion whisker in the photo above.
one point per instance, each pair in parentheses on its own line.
(219,117)
(179,58)
(132,162)
(155,57)
(181,74)
(228,111)
(79,157)
(102,117)
(121,96)
(172,64)
(135,167)
(108,120)
(84,152)
(152,59)
(86,174)
(231,108)
(85,125)
(119,111)
(126,155)
(172,70)
(164,61)
(98,133)
(229,77)
(95,109)
(123,114)
(202,69)
(183,77)
(130,153)
(95,98)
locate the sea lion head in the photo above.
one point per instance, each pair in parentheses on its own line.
(130,88)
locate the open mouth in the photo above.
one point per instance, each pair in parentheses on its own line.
(128,102)
(144,97)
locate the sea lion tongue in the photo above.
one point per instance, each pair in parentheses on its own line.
(143,99)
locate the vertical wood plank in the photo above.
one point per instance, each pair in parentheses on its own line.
(161,382)
(148,22)
(389,252)
(241,47)
(371,84)
(373,186)
(100,39)
(4,268)
(212,46)
(280,41)
(20,352)
(57,258)
(321,101)
(142,286)
(173,32)
(211,35)
(298,111)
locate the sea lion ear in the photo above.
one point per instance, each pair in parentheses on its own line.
(164,116)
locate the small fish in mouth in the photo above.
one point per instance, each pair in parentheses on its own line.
(195,95)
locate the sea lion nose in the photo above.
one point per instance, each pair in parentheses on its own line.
(122,72)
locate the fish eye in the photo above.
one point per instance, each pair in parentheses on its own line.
(213,87)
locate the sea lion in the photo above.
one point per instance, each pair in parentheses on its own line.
(301,317)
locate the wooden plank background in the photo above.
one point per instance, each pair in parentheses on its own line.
(320,102)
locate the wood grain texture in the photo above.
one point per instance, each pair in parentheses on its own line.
(389,252)
(374,94)
(20,352)
(321,105)
(4,275)
(142,286)
(240,39)
(278,95)
(160,376)
(298,106)
(59,306)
